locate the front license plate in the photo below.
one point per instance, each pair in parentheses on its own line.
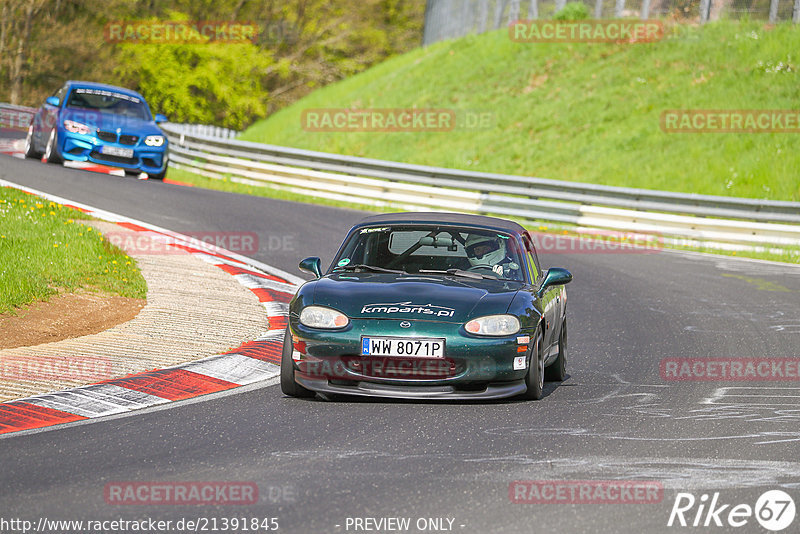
(402,346)
(116,151)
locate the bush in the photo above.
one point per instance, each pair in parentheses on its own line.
(199,83)
(573,11)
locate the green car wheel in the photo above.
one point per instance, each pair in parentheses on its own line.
(534,379)
(557,371)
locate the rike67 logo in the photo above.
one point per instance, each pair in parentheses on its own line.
(774,510)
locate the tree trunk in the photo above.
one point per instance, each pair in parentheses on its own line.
(19,68)
(237,9)
(3,29)
(533,10)
(513,11)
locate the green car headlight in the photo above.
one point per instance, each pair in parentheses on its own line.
(493,325)
(322,317)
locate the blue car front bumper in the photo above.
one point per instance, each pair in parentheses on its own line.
(143,158)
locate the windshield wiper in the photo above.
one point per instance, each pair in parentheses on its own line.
(366,267)
(460,272)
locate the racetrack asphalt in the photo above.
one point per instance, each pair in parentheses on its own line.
(318,463)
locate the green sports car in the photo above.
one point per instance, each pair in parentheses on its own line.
(431,306)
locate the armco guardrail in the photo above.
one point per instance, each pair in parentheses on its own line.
(726,222)
(15,118)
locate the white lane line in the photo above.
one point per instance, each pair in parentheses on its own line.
(251,281)
(234,368)
(96,400)
(71,402)
(95,167)
(271,335)
(276,308)
(127,398)
(749,397)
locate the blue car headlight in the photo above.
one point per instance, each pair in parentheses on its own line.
(154,140)
(322,317)
(76,127)
(493,325)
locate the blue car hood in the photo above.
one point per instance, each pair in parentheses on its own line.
(109,122)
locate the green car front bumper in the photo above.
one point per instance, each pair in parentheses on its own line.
(473,367)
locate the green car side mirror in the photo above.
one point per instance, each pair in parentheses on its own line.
(555,276)
(312,265)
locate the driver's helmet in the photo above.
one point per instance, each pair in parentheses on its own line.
(485,250)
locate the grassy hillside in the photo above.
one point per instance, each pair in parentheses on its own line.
(582,112)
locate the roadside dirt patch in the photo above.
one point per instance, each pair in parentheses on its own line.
(66,316)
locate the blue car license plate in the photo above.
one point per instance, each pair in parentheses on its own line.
(116,151)
(402,346)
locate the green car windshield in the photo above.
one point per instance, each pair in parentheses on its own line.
(421,249)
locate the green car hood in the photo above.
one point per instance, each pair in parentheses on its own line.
(420,297)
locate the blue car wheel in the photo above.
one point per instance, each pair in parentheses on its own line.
(51,150)
(30,150)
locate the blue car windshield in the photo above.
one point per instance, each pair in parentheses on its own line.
(433,249)
(107,101)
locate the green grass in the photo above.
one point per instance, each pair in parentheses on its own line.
(581,112)
(45,248)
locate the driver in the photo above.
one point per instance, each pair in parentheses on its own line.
(490,253)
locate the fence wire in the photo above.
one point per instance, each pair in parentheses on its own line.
(449,19)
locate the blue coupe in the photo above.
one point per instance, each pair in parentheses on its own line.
(85,121)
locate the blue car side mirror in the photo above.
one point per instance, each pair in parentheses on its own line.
(160,118)
(53,101)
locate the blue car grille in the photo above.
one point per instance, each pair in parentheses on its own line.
(128,139)
(107,136)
